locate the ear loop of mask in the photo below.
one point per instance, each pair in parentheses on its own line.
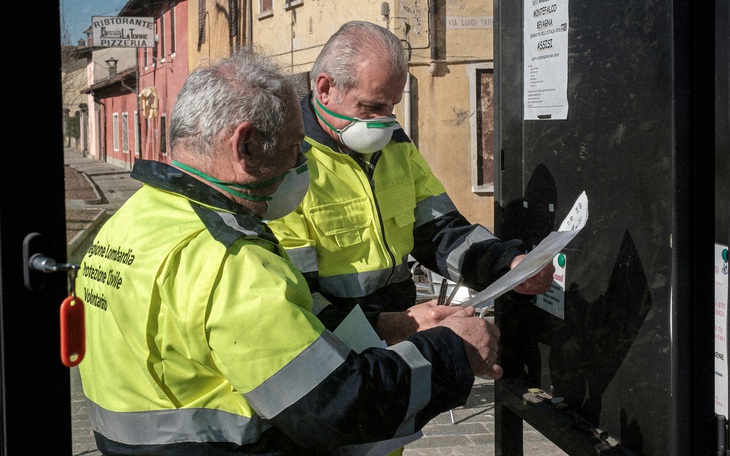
(369,123)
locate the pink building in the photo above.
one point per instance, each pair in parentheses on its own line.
(162,71)
(133,90)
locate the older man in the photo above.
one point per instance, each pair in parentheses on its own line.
(373,200)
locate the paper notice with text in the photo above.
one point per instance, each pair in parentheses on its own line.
(545,62)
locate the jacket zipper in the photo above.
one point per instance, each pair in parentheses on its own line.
(369,170)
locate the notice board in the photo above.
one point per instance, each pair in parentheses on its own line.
(621,360)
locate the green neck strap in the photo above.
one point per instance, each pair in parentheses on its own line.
(231,187)
(368,123)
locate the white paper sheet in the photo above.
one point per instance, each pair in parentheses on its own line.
(537,259)
(355,331)
(545,59)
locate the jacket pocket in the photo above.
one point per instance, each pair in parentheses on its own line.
(397,201)
(342,223)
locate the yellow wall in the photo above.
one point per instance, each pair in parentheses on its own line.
(296,36)
(440,108)
(218,42)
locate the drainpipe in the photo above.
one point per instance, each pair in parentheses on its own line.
(433,37)
(249,38)
(407,101)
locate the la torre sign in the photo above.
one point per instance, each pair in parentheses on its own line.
(125,32)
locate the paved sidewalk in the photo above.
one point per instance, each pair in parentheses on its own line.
(94,190)
(472,431)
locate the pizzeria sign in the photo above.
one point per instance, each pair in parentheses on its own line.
(124,32)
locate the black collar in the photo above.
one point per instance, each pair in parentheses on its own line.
(312,127)
(165,177)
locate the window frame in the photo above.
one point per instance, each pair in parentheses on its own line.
(474,72)
(234,22)
(201,22)
(263,14)
(173,35)
(125,132)
(115,131)
(161,37)
(137,136)
(289,4)
(163,134)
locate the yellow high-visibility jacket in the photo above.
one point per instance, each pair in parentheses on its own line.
(200,339)
(361,219)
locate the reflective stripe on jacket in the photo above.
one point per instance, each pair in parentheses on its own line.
(200,339)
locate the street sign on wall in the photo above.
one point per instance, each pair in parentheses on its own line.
(129,32)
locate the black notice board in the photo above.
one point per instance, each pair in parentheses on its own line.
(646,137)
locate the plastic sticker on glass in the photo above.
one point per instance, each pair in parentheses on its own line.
(721,362)
(553,301)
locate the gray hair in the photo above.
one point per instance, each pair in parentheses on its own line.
(354,42)
(216,99)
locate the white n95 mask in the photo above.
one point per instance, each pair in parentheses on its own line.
(291,191)
(362,135)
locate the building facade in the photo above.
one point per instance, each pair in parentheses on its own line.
(111,73)
(162,71)
(447,102)
(132,89)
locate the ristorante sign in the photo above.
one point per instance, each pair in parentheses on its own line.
(115,31)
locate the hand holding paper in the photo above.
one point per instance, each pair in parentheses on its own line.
(539,283)
(538,258)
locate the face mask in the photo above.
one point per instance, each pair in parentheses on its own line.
(291,192)
(362,135)
(284,200)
